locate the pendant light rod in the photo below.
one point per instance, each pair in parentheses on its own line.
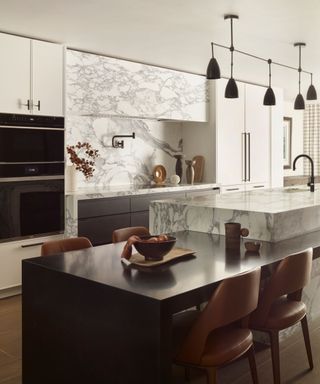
(299,69)
(260,58)
(269,62)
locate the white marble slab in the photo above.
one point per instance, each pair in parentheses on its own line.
(270,215)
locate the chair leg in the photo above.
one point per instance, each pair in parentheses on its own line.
(274,339)
(187,373)
(211,375)
(305,330)
(253,366)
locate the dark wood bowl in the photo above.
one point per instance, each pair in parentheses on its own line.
(252,246)
(154,251)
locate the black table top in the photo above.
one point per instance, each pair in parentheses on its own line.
(212,264)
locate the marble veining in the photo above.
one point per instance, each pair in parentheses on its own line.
(270,215)
(155,143)
(103,85)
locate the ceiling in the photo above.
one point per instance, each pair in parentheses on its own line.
(177,33)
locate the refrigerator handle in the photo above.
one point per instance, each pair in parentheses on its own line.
(244,156)
(249,156)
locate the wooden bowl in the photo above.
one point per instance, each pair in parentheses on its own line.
(154,251)
(252,246)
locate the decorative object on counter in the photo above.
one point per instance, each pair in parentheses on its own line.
(233,232)
(179,165)
(190,171)
(174,179)
(198,168)
(120,143)
(159,174)
(83,156)
(252,246)
(213,72)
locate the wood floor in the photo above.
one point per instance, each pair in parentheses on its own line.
(294,362)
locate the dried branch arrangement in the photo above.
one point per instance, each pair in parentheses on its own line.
(83,156)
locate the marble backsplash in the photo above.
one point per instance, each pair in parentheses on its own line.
(156,143)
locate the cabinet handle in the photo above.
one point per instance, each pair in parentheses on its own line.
(249,157)
(37,105)
(31,245)
(258,186)
(28,105)
(232,189)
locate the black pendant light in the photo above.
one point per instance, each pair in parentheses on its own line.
(213,69)
(299,101)
(269,97)
(312,93)
(231,91)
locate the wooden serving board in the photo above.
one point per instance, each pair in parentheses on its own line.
(198,168)
(175,253)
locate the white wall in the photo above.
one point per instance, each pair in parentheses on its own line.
(297,137)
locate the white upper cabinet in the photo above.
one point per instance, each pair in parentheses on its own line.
(100,85)
(47,75)
(15,67)
(31,75)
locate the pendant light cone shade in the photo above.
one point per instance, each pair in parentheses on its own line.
(312,93)
(299,102)
(269,97)
(231,91)
(213,70)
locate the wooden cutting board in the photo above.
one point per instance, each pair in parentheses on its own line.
(198,168)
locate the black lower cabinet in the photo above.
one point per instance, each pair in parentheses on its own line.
(98,218)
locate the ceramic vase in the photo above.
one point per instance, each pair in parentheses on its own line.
(190,171)
(179,165)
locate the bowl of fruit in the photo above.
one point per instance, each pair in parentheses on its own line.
(154,247)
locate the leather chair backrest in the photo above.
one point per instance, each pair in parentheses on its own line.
(291,275)
(65,245)
(123,234)
(234,299)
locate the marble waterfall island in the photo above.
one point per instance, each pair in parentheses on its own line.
(270,215)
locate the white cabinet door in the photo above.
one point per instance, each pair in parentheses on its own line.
(229,136)
(257,122)
(14,74)
(47,75)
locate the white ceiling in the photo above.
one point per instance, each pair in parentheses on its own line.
(177,33)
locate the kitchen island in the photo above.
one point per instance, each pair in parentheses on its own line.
(270,215)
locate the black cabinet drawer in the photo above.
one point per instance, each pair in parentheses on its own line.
(141,203)
(140,219)
(101,207)
(99,229)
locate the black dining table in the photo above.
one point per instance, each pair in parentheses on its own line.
(88,318)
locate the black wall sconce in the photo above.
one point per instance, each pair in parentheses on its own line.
(120,143)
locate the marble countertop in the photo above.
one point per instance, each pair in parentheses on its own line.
(271,201)
(127,190)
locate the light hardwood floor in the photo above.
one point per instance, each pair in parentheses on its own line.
(294,362)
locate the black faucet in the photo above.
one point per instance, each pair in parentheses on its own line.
(311,182)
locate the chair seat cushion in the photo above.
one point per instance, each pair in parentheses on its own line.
(226,344)
(222,345)
(283,314)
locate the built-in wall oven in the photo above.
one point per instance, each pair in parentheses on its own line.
(31,176)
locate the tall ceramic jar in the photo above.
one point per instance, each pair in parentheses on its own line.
(190,171)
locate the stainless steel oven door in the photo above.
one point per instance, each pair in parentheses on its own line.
(30,208)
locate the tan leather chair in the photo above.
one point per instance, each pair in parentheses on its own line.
(280,304)
(65,245)
(123,234)
(219,334)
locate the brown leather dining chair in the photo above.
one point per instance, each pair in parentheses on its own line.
(280,304)
(219,334)
(65,245)
(123,234)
